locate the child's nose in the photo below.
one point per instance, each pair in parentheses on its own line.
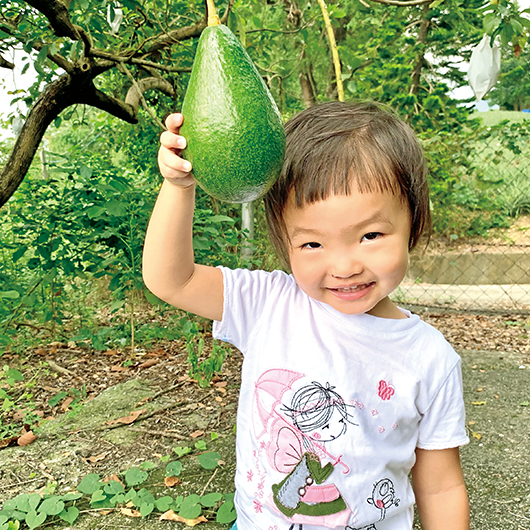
(345,265)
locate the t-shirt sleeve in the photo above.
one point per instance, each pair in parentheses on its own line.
(443,425)
(247,295)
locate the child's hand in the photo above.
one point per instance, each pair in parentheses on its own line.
(174,168)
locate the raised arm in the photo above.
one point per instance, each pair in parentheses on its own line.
(169,268)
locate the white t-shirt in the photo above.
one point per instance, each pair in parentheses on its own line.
(332,407)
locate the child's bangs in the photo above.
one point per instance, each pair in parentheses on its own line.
(333,167)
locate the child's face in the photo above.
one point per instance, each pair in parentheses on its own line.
(350,251)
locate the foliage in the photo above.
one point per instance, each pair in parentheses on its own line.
(85,223)
(132,490)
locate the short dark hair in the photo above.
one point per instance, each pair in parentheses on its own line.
(333,145)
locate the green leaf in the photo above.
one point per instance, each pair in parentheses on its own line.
(98,496)
(226,513)
(9,294)
(85,171)
(131,495)
(209,460)
(491,23)
(34,519)
(181,451)
(113,487)
(69,515)
(43,53)
(174,469)
(145,497)
(52,506)
(55,400)
(190,507)
(164,503)
(146,508)
(147,465)
(19,252)
(90,484)
(117,304)
(135,476)
(71,496)
(210,500)
(152,299)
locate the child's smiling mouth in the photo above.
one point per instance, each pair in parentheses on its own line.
(351,292)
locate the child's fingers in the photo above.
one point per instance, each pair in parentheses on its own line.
(172,141)
(174,121)
(174,167)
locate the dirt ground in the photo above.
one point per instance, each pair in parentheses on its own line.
(496,364)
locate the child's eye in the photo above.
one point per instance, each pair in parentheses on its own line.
(313,244)
(371,236)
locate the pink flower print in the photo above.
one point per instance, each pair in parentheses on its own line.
(385,390)
(250,475)
(381,429)
(258,507)
(374,412)
(395,426)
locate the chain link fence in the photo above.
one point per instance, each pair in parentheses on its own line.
(487,273)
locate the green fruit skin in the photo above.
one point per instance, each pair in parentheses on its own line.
(235,134)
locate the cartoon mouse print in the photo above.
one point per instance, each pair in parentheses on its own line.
(383,496)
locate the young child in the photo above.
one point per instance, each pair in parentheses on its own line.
(342,393)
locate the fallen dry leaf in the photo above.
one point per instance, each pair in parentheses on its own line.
(130,513)
(142,401)
(95,458)
(147,364)
(66,403)
(196,434)
(127,420)
(172,481)
(170,515)
(8,442)
(118,368)
(26,439)
(112,477)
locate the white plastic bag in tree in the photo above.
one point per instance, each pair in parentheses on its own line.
(484,67)
(114,18)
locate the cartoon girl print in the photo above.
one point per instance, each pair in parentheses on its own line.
(383,496)
(319,412)
(317,415)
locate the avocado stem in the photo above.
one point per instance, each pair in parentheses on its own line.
(213,19)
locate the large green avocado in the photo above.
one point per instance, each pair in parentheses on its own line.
(235,135)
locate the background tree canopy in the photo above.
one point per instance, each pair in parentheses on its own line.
(109,72)
(110,55)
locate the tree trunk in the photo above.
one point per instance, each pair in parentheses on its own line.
(60,94)
(307,84)
(420,58)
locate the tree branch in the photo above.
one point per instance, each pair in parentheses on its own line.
(57,14)
(136,93)
(4,63)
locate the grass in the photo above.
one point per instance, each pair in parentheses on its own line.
(493,117)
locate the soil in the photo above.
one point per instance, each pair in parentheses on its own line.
(73,443)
